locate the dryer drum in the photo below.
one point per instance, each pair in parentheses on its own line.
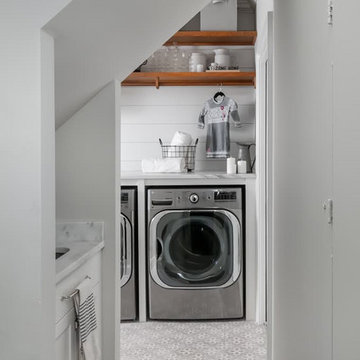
(196,249)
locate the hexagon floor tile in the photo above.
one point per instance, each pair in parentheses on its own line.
(218,340)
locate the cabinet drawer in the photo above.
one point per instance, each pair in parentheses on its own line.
(91,268)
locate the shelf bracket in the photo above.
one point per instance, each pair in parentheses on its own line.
(157,84)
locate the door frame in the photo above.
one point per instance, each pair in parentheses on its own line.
(265,139)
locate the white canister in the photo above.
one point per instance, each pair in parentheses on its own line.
(241,166)
(223,60)
(197,59)
(230,165)
(231,169)
(222,57)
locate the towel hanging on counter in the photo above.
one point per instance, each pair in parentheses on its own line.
(216,112)
(84,303)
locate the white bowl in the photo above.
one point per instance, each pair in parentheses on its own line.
(221,51)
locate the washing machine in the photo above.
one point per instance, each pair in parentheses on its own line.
(195,253)
(128,243)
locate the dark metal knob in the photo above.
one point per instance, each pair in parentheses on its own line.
(194,198)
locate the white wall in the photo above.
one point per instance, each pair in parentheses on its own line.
(26,190)
(148,114)
(87,189)
(220,17)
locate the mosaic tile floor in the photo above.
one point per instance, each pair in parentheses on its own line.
(218,340)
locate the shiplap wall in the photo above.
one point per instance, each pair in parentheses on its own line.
(148,114)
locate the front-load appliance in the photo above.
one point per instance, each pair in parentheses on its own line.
(128,244)
(195,253)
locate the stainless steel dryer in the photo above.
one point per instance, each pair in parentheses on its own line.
(128,263)
(195,253)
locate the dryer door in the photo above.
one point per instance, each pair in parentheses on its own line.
(126,250)
(195,248)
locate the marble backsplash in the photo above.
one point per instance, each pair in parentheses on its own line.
(92,231)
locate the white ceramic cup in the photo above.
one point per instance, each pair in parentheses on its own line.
(199,67)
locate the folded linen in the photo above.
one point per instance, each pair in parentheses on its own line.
(181,139)
(171,165)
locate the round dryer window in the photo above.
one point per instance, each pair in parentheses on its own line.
(194,248)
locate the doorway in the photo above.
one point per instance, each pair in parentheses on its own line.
(147,112)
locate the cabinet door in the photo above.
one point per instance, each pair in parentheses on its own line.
(98,308)
(346,180)
(66,344)
(67,339)
(302,248)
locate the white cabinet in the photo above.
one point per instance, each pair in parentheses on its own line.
(67,342)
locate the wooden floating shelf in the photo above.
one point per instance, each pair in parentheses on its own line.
(200,38)
(213,38)
(230,78)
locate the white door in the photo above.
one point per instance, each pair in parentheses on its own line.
(346,180)
(302,246)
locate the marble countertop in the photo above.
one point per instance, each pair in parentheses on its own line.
(138,175)
(80,252)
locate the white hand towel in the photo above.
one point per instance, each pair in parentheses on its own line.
(181,139)
(169,165)
(84,303)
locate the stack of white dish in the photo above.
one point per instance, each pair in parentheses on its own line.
(222,57)
(197,61)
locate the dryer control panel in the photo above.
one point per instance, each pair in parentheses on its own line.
(194,198)
(225,195)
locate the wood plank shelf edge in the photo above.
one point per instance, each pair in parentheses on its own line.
(158,79)
(213,38)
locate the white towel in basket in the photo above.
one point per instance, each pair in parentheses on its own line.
(169,165)
(181,139)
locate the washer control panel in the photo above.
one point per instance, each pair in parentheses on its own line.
(194,198)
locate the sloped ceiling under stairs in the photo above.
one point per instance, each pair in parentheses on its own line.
(99,41)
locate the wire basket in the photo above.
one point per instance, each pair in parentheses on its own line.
(175,151)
